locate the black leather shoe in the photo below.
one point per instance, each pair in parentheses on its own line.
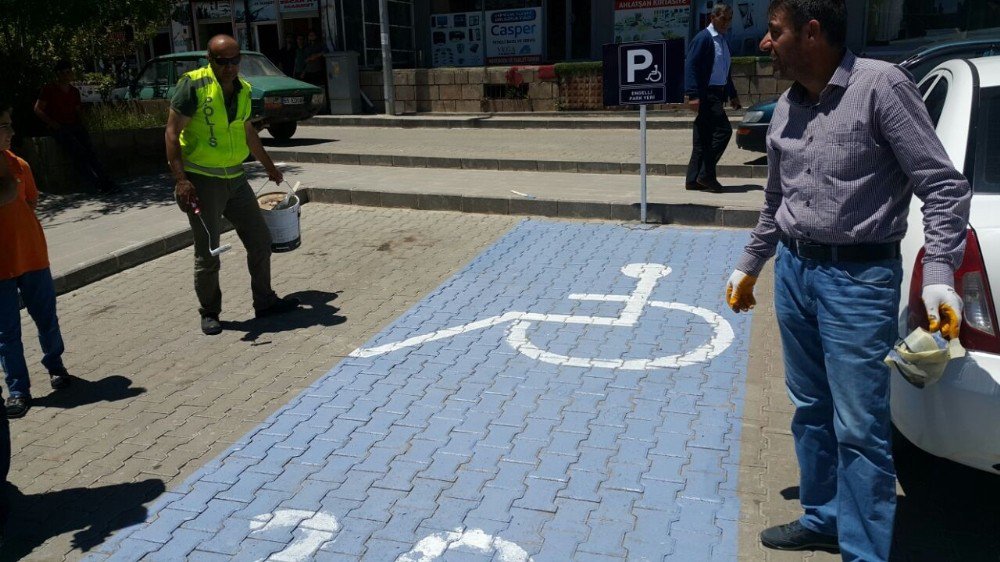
(59,379)
(17,406)
(280,306)
(692,186)
(711,185)
(210,325)
(793,536)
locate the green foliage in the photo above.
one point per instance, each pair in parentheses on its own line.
(125,115)
(103,82)
(566,69)
(35,34)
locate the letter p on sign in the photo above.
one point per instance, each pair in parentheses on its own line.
(637,59)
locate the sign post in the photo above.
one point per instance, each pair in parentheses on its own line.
(638,76)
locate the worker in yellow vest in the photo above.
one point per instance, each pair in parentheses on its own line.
(209,135)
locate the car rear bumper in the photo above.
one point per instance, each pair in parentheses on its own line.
(288,113)
(752,137)
(959,417)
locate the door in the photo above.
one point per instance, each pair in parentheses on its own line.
(580,30)
(267,40)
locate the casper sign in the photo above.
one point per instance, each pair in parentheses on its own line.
(514,36)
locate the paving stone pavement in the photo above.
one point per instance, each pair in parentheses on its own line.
(473,443)
(153,399)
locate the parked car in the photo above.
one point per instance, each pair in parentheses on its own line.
(958,418)
(278,102)
(752,132)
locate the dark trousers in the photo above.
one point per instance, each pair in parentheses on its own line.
(234,200)
(712,131)
(4,468)
(75,140)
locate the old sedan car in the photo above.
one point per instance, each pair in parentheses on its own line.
(278,102)
(752,132)
(958,418)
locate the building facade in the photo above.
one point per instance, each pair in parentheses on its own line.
(470,33)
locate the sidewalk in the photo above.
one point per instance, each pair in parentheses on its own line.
(606,151)
(91,237)
(681,119)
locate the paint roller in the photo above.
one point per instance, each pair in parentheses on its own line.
(214,251)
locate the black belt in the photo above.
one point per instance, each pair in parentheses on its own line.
(809,250)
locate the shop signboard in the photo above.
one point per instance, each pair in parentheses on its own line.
(651,20)
(514,36)
(212,10)
(260,10)
(288,6)
(457,39)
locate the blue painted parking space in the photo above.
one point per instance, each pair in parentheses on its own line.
(573,393)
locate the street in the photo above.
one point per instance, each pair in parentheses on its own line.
(498,440)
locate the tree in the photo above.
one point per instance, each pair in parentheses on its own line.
(35,34)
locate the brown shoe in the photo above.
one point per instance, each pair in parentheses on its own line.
(692,186)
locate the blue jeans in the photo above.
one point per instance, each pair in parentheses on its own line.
(838,322)
(39,295)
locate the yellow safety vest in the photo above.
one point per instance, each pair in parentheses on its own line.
(210,144)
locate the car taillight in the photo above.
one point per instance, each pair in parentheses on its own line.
(979,318)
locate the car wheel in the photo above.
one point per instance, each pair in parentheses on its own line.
(283,131)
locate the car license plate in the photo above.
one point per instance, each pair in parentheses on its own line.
(293,101)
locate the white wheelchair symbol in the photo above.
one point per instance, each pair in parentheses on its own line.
(317,528)
(647,274)
(655,75)
(431,548)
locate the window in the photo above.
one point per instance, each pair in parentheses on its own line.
(935,100)
(984,171)
(156,74)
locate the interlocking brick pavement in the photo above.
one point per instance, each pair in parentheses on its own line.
(153,399)
(481,445)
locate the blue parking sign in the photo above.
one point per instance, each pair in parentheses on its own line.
(643,73)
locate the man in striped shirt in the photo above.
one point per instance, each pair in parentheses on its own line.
(849,144)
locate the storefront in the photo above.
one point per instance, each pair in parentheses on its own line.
(257,24)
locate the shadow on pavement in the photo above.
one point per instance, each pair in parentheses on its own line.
(294,142)
(91,514)
(935,527)
(745,188)
(135,193)
(82,392)
(315,311)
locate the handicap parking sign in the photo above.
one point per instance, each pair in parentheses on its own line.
(641,73)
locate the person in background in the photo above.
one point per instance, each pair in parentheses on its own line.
(314,70)
(24,276)
(708,85)
(849,145)
(287,54)
(300,57)
(59,106)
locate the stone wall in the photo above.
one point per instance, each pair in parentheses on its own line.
(460,90)
(755,81)
(464,90)
(123,153)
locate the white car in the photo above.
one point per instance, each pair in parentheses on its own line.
(958,418)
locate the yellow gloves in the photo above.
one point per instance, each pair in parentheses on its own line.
(739,291)
(944,309)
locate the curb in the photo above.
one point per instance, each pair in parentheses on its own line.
(687,214)
(506,123)
(656,213)
(745,171)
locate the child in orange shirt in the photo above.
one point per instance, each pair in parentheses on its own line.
(24,271)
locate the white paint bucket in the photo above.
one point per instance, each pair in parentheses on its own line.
(283,222)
